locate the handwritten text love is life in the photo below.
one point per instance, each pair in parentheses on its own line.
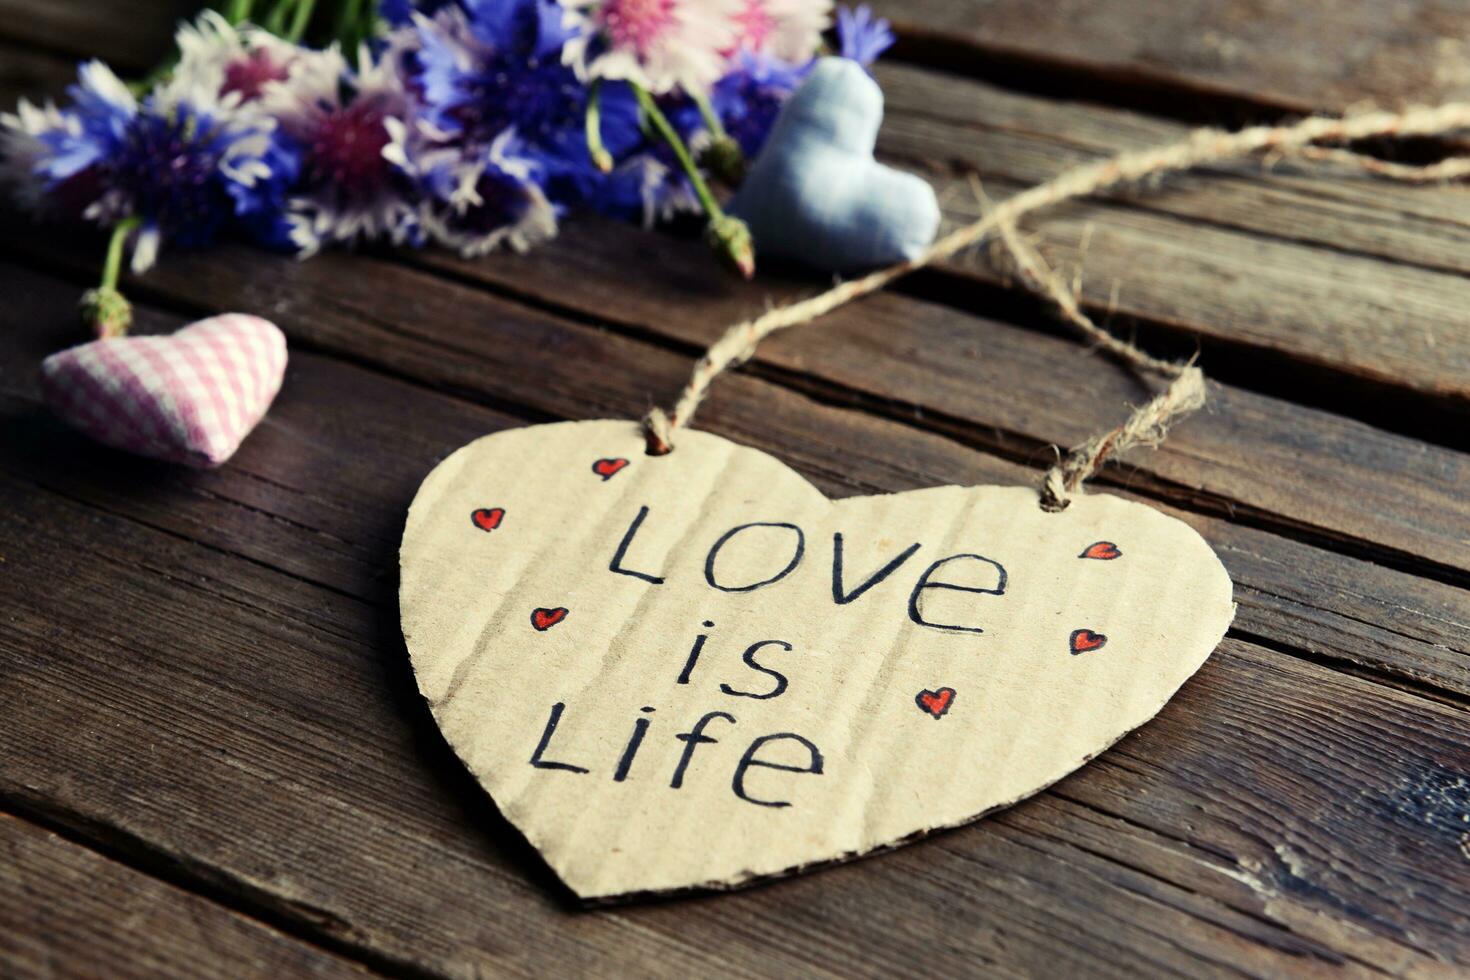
(744,559)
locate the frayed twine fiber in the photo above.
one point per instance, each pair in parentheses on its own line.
(1186,390)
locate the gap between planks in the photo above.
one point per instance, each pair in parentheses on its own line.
(166,925)
(1025,449)
(1173,886)
(1062,856)
(1290,642)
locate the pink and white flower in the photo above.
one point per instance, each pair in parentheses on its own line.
(787,29)
(241,64)
(659,44)
(341,123)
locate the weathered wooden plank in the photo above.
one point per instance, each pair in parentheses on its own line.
(1017,391)
(1360,319)
(133,34)
(1276,814)
(66,911)
(1322,54)
(1068,846)
(1281,54)
(1356,612)
(25,72)
(1351,487)
(1310,471)
(287,468)
(419,328)
(1319,269)
(970,126)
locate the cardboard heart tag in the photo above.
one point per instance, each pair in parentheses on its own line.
(705,672)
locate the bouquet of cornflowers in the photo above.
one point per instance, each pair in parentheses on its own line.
(475,124)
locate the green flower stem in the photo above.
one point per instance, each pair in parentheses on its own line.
(711,118)
(105,310)
(112,265)
(601,159)
(356,22)
(275,20)
(665,129)
(239,11)
(723,156)
(300,21)
(727,235)
(346,18)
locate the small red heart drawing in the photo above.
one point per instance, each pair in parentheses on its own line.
(1084,640)
(935,702)
(488,518)
(1102,551)
(608,468)
(544,619)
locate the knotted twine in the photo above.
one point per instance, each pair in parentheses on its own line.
(1185,392)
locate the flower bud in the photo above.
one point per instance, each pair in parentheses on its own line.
(106,311)
(731,240)
(724,159)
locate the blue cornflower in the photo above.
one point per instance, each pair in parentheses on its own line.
(479,201)
(494,66)
(861,36)
(646,187)
(180,162)
(340,126)
(749,98)
(265,205)
(22,150)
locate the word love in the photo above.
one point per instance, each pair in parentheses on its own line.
(695,670)
(765,552)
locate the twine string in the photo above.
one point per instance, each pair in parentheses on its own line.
(1185,392)
(1147,425)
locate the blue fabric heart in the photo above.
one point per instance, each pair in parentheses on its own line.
(815,195)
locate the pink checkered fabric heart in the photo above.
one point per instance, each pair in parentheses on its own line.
(188,398)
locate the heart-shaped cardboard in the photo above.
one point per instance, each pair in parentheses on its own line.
(825,731)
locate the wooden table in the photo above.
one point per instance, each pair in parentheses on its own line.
(213,759)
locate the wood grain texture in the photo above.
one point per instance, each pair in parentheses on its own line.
(294,703)
(1354,611)
(1016,391)
(345,810)
(1284,54)
(66,911)
(203,671)
(1308,470)
(1275,54)
(959,124)
(1316,471)
(1286,264)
